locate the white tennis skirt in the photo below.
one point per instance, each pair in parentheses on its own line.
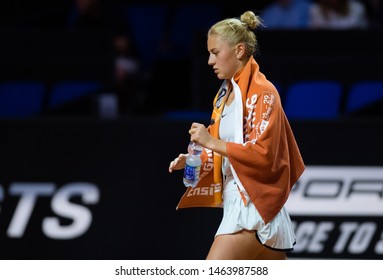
(277,234)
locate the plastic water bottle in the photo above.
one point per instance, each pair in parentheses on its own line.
(193,165)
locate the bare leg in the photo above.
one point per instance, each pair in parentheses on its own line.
(242,245)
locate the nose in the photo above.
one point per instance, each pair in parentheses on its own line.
(210,60)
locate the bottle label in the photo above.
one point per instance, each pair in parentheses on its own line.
(192,172)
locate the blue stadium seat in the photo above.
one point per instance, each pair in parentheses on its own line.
(69,91)
(316,99)
(363,94)
(20,99)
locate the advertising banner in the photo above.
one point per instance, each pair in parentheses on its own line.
(94,189)
(337,212)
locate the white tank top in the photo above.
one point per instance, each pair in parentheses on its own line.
(226,133)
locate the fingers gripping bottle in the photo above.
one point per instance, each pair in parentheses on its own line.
(193,165)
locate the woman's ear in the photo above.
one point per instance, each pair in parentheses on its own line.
(240,50)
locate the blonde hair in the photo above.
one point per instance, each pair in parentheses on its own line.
(235,31)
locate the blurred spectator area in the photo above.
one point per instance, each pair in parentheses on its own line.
(51,55)
(36,45)
(296,55)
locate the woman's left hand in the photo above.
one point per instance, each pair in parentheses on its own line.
(200,134)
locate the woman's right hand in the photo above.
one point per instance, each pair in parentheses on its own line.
(178,163)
